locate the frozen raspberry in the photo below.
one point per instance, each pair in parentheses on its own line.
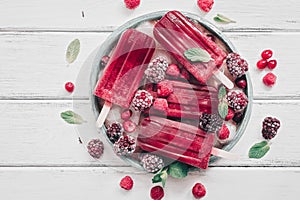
(151,163)
(185,74)
(95,148)
(126,183)
(142,100)
(210,122)
(114,132)
(157,193)
(199,191)
(104,60)
(236,65)
(261,64)
(269,79)
(223,132)
(129,126)
(205,5)
(156,70)
(272,64)
(266,54)
(230,114)
(164,88)
(126,114)
(270,127)
(160,104)
(237,100)
(132,4)
(69,86)
(173,70)
(125,145)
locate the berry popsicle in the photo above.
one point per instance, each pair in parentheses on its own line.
(179,35)
(124,71)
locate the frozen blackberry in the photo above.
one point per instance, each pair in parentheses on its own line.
(125,145)
(151,163)
(237,100)
(142,100)
(156,70)
(236,65)
(114,131)
(95,148)
(210,122)
(270,127)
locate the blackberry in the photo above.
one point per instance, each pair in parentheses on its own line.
(125,145)
(237,100)
(210,122)
(95,148)
(270,127)
(236,65)
(142,100)
(156,70)
(151,163)
(114,131)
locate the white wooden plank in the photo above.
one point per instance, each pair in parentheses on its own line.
(103,183)
(32,134)
(33,64)
(107,14)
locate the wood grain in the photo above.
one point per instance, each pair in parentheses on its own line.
(35,66)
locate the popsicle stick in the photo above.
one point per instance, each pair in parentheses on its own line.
(224,154)
(224,79)
(103,114)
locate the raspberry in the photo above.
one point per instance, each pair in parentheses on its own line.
(266,54)
(125,145)
(272,64)
(210,122)
(261,64)
(269,79)
(270,127)
(95,148)
(69,86)
(164,88)
(151,163)
(132,4)
(157,193)
(237,100)
(173,70)
(129,126)
(236,65)
(205,5)
(230,114)
(126,114)
(156,70)
(199,191)
(160,104)
(241,83)
(114,132)
(126,183)
(223,132)
(142,100)
(104,60)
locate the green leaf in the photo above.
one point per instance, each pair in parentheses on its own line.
(223,109)
(258,150)
(222,19)
(161,176)
(72,117)
(178,170)
(197,55)
(73,51)
(222,92)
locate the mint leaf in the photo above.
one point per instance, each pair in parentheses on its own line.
(161,177)
(222,92)
(72,117)
(222,19)
(223,109)
(178,170)
(73,51)
(197,55)
(258,150)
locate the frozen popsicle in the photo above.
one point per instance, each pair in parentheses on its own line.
(178,35)
(124,71)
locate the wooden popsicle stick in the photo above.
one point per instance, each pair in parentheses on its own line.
(103,114)
(224,154)
(224,79)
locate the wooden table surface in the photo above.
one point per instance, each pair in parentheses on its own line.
(40,156)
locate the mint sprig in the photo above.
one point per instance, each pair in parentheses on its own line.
(197,55)
(222,106)
(73,51)
(259,150)
(222,19)
(161,176)
(72,117)
(178,170)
